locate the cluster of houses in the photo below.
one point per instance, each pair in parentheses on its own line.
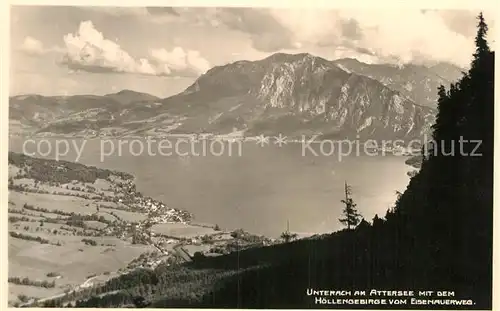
(159,212)
(169,215)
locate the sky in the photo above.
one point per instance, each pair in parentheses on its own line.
(162,50)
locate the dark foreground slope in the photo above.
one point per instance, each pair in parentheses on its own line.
(438,236)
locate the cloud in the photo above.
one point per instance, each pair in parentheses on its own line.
(363,55)
(117,11)
(180,60)
(459,21)
(408,35)
(157,15)
(411,36)
(88,50)
(402,35)
(32,46)
(265,32)
(405,35)
(351,29)
(162,10)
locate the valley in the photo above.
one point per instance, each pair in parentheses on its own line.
(73,228)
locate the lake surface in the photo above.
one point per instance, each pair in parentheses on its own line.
(259,190)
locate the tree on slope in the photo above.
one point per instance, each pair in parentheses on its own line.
(351,216)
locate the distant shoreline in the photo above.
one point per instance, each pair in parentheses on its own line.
(135,180)
(307,142)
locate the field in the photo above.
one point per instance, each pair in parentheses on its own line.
(180,230)
(74,262)
(125,215)
(71,257)
(69,204)
(70,230)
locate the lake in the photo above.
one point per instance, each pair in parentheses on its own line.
(258,190)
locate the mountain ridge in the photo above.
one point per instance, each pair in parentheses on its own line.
(417,82)
(287,93)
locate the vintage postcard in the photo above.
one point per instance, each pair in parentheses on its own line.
(291,157)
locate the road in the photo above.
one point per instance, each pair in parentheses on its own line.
(86,283)
(182,253)
(75,289)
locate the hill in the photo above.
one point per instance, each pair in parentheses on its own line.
(77,115)
(294,95)
(126,97)
(416,82)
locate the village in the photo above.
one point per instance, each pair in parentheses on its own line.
(102,227)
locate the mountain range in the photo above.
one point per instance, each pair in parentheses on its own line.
(291,94)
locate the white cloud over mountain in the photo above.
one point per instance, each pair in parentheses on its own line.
(88,50)
(31,45)
(392,35)
(389,36)
(180,60)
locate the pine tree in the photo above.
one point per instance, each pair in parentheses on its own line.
(377,221)
(440,117)
(351,215)
(477,205)
(482,47)
(287,236)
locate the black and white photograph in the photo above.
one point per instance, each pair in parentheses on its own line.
(250,157)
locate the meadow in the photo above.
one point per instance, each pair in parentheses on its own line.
(46,248)
(180,230)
